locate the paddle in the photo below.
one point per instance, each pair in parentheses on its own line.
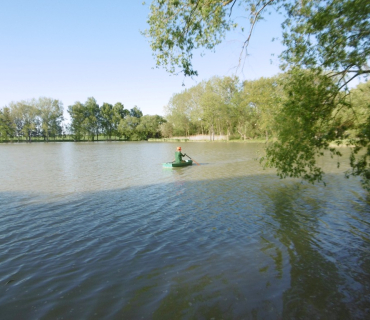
(192,159)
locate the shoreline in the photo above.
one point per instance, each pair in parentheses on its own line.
(199,140)
(331,144)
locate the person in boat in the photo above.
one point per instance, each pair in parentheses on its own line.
(179,155)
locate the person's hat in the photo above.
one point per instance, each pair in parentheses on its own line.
(178,148)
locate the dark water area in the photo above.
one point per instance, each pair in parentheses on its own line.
(97,232)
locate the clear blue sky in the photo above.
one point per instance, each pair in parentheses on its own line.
(72,50)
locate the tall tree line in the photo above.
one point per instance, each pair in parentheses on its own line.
(224,106)
(43,118)
(255,110)
(89,121)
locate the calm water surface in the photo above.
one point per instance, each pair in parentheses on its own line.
(102,231)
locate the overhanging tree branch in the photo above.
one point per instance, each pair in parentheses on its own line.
(254,21)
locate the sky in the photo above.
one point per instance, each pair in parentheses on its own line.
(74,49)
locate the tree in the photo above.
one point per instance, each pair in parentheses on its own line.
(178,113)
(77,114)
(327,42)
(225,106)
(263,98)
(89,119)
(136,112)
(331,40)
(149,126)
(25,116)
(246,116)
(127,127)
(177,28)
(107,114)
(92,121)
(204,107)
(7,127)
(333,34)
(193,97)
(119,113)
(360,97)
(166,129)
(307,125)
(51,115)
(360,118)
(211,105)
(226,89)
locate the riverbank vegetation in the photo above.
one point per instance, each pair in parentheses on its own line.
(25,120)
(112,121)
(221,108)
(42,120)
(226,107)
(253,110)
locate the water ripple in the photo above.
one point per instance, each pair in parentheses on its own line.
(224,239)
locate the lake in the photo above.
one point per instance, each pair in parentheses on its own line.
(102,231)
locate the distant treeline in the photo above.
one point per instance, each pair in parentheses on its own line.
(112,121)
(247,110)
(220,106)
(43,119)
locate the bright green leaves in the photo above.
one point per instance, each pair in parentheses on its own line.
(178,27)
(333,35)
(310,119)
(107,117)
(112,121)
(86,119)
(77,114)
(149,126)
(223,106)
(262,102)
(331,39)
(33,118)
(51,115)
(360,157)
(7,127)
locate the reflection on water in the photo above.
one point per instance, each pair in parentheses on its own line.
(102,231)
(315,281)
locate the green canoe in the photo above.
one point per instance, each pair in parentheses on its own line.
(178,164)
